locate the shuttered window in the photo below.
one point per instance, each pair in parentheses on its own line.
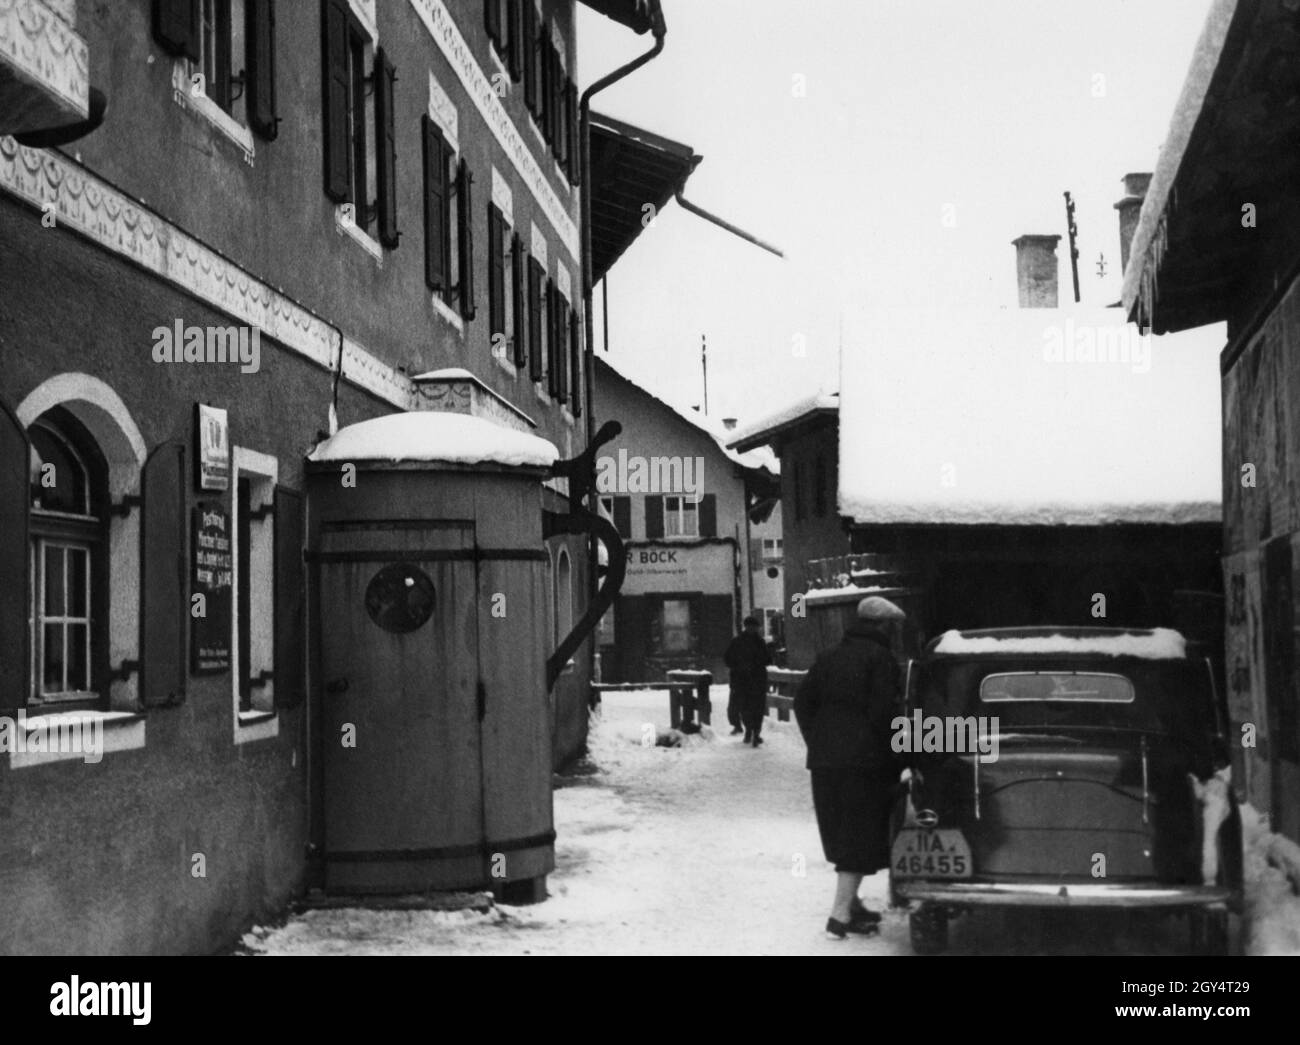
(553,386)
(465,237)
(536,278)
(496,276)
(518,288)
(495,24)
(654,517)
(709,515)
(437,210)
(357,113)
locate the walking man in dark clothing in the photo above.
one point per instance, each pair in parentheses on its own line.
(844,708)
(747,660)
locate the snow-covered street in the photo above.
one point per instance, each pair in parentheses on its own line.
(698,850)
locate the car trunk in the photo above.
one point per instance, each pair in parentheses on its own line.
(1091,810)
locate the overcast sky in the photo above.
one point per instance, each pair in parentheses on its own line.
(911,112)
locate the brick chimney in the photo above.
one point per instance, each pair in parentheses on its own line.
(1135,191)
(1036,270)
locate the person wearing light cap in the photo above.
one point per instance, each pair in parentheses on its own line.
(844,707)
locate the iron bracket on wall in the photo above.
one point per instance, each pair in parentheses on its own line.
(581,473)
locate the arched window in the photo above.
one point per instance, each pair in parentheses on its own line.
(563,596)
(68,555)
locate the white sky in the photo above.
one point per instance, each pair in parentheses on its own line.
(987,106)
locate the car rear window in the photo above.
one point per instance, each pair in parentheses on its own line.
(1058,687)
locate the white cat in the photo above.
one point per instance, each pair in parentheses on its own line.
(1212,794)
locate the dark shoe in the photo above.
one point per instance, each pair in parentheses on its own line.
(737,731)
(748,736)
(838,930)
(859,913)
(757,741)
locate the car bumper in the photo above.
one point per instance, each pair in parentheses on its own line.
(1055,894)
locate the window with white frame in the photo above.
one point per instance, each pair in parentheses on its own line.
(68,563)
(253,601)
(681,516)
(772,551)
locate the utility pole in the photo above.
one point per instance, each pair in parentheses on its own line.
(704,365)
(1074,249)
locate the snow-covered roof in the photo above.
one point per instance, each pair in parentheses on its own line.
(435,435)
(818,402)
(760,457)
(1155,644)
(1027,416)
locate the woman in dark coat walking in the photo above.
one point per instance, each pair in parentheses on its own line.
(844,708)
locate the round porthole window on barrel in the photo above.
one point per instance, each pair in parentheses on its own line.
(399,598)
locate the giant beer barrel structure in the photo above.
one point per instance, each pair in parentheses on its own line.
(430,609)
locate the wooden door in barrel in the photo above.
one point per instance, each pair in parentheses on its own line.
(515,637)
(402,758)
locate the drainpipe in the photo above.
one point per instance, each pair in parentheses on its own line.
(659,29)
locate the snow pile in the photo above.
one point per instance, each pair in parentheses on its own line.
(1027,417)
(1272,874)
(851,593)
(1157,644)
(433,435)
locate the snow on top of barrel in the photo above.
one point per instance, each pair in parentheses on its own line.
(1156,644)
(433,435)
(1027,417)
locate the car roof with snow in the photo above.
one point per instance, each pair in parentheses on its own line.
(1058,642)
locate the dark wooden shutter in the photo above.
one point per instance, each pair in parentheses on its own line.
(260,58)
(552,338)
(574,168)
(548,59)
(492,20)
(15,503)
(709,515)
(385,150)
(575,362)
(516,59)
(654,517)
(336,91)
(465,238)
(518,278)
(164,598)
(436,231)
(535,347)
(290,601)
(623,517)
(496,274)
(529,48)
(176,27)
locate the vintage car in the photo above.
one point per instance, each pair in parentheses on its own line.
(1065,768)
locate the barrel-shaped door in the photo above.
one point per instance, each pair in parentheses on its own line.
(402,761)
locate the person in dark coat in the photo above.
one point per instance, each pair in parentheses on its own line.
(844,708)
(747,660)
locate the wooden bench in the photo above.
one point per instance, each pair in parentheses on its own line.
(781,684)
(688,694)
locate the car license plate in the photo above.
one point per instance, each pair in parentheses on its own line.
(930,853)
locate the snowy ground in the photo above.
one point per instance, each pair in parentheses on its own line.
(699,850)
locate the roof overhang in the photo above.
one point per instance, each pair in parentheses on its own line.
(638,15)
(630,168)
(1234,139)
(817,410)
